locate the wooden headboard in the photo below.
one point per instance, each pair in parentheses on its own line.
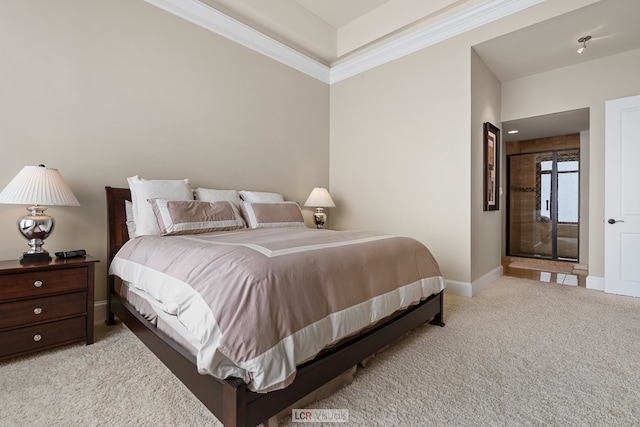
(116,220)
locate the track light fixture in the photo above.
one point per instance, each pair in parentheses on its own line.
(584,41)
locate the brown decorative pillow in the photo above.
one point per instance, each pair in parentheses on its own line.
(193,217)
(271,215)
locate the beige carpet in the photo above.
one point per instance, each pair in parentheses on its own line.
(520,353)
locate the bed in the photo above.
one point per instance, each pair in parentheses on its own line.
(242,400)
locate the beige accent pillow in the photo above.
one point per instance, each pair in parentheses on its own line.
(271,215)
(194,217)
(145,189)
(261,197)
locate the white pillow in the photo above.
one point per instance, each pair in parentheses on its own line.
(261,197)
(272,215)
(145,189)
(211,195)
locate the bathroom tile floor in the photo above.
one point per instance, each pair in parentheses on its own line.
(564,273)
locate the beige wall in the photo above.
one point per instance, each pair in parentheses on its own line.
(585,161)
(404,153)
(486,226)
(400,159)
(586,85)
(103,90)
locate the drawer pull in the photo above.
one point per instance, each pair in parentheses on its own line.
(37,310)
(37,337)
(37,283)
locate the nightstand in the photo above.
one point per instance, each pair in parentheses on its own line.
(45,304)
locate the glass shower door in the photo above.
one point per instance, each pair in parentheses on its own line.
(530,205)
(543,205)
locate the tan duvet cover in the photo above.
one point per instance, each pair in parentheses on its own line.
(260,302)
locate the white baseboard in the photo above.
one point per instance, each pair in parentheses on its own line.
(100,311)
(467,289)
(594,282)
(463,289)
(483,282)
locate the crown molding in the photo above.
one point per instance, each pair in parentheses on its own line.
(207,17)
(456,24)
(221,24)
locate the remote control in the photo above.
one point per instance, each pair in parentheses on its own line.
(71,254)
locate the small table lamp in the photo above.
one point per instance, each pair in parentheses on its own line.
(37,186)
(320,198)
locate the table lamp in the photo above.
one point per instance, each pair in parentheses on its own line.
(37,186)
(320,198)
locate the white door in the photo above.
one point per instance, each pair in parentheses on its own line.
(622,197)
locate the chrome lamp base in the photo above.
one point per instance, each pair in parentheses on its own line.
(28,257)
(35,227)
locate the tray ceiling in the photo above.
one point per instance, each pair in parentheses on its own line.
(335,39)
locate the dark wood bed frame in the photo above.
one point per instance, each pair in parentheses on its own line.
(230,400)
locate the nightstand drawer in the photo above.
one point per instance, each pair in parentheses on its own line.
(43,309)
(19,285)
(42,336)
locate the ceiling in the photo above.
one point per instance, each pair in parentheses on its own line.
(562,123)
(553,44)
(332,32)
(612,24)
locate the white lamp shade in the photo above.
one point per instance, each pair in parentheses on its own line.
(320,198)
(38,185)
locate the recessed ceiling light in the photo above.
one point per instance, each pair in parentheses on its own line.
(513,131)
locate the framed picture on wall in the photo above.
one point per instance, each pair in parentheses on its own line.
(491,167)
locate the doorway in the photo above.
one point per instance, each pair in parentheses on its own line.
(543,178)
